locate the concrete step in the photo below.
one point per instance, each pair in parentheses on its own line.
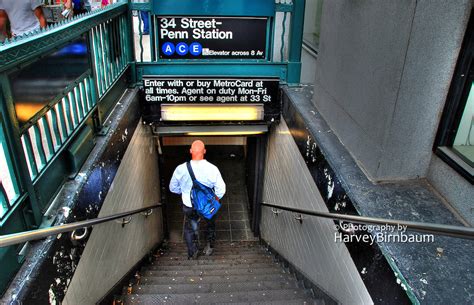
(213,287)
(206,279)
(236,273)
(217,251)
(214,256)
(222,297)
(215,272)
(297,301)
(215,261)
(307,301)
(219,244)
(222,250)
(210,265)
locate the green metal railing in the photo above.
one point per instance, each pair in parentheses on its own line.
(8,179)
(48,132)
(33,157)
(44,136)
(110,60)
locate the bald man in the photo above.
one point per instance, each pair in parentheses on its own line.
(181,183)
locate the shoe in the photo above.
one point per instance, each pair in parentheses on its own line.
(208,250)
(194,256)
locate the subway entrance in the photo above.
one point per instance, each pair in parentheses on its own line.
(223,90)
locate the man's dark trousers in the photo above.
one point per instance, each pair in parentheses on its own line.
(191,229)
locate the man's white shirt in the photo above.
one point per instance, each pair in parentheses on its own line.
(205,172)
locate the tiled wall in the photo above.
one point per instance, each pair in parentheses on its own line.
(309,246)
(111,250)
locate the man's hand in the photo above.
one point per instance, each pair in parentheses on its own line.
(39,14)
(68,4)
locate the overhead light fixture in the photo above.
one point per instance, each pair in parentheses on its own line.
(211,130)
(224,133)
(212,112)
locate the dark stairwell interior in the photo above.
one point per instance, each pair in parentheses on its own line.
(232,222)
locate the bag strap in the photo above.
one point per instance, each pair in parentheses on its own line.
(191,173)
(190,170)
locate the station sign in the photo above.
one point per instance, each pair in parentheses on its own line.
(210,90)
(190,37)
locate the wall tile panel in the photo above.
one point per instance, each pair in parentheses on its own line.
(309,246)
(111,250)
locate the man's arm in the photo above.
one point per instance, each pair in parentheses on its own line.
(219,187)
(3,23)
(68,4)
(39,14)
(175,187)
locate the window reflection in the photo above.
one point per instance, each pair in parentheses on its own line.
(464,141)
(36,85)
(312,23)
(8,185)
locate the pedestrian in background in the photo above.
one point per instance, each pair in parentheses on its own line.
(24,16)
(78,6)
(3,25)
(146,22)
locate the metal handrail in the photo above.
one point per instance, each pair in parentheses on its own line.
(439,229)
(18,238)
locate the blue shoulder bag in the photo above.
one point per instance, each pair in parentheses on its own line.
(203,198)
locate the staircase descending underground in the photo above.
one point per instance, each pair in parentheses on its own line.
(236,273)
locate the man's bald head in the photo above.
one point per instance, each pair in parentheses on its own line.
(198,150)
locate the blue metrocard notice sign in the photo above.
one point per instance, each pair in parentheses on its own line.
(212,37)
